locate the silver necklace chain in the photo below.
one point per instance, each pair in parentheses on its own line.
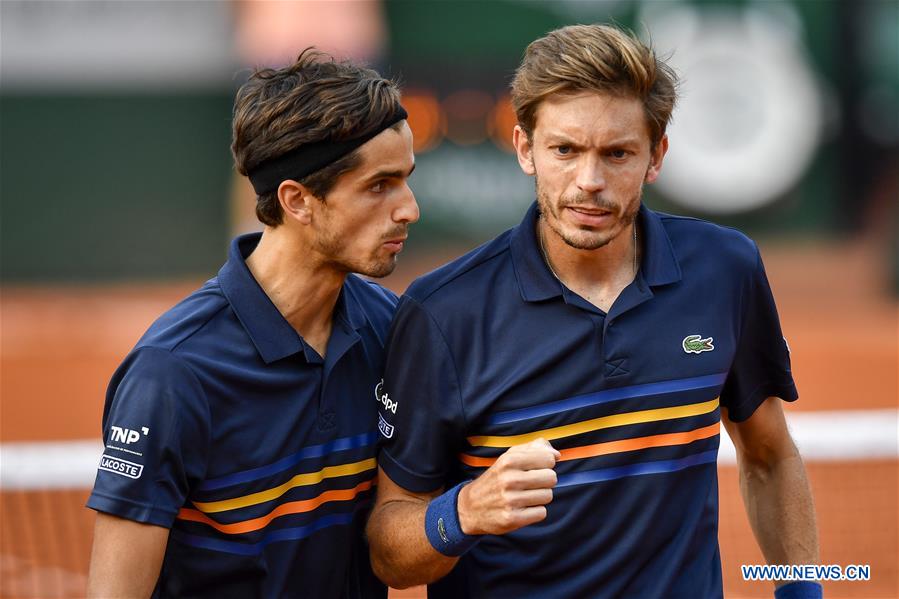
(550,266)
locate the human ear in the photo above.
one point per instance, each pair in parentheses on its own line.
(296,201)
(656,156)
(524,150)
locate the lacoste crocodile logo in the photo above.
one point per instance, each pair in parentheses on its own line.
(695,344)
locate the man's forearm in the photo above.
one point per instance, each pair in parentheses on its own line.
(405,527)
(125,559)
(781,511)
(401,554)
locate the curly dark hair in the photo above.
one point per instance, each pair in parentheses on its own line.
(314,99)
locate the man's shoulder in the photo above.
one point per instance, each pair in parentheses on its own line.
(165,356)
(458,278)
(186,319)
(694,237)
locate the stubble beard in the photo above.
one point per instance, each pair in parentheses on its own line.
(378,270)
(334,249)
(587,239)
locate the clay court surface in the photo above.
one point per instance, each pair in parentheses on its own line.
(60,345)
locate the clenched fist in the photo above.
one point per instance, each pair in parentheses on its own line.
(512,493)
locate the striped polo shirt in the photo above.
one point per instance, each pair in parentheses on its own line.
(491,351)
(226,427)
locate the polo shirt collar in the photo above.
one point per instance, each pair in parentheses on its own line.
(349,308)
(535,280)
(659,265)
(270,332)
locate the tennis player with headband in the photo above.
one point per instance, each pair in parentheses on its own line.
(240,431)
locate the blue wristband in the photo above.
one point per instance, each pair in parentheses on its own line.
(442,525)
(801,589)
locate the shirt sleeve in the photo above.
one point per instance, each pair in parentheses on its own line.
(156,434)
(420,404)
(761,366)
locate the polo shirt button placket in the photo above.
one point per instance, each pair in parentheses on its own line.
(598,323)
(326,421)
(615,366)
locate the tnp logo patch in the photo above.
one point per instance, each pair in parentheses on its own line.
(126,435)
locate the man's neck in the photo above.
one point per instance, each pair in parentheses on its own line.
(304,291)
(597,275)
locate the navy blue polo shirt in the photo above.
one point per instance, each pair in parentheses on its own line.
(491,351)
(225,426)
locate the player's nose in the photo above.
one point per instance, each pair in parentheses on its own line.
(407,210)
(590,176)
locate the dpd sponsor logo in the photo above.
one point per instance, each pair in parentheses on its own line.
(383,398)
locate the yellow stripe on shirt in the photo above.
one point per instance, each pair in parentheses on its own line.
(300,480)
(596,424)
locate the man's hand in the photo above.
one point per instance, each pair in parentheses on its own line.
(512,493)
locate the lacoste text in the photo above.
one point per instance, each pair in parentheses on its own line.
(123,467)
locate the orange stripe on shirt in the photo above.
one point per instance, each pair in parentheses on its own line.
(292,507)
(589,451)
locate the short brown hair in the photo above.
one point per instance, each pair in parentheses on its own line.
(596,58)
(314,99)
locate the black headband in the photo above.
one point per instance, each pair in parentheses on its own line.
(309,158)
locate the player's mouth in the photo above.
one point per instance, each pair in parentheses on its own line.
(591,217)
(395,245)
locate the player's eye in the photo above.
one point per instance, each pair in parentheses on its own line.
(378,187)
(563,150)
(618,153)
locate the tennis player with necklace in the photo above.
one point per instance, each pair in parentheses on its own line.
(559,391)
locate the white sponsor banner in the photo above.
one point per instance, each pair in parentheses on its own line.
(838,436)
(49,465)
(88,44)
